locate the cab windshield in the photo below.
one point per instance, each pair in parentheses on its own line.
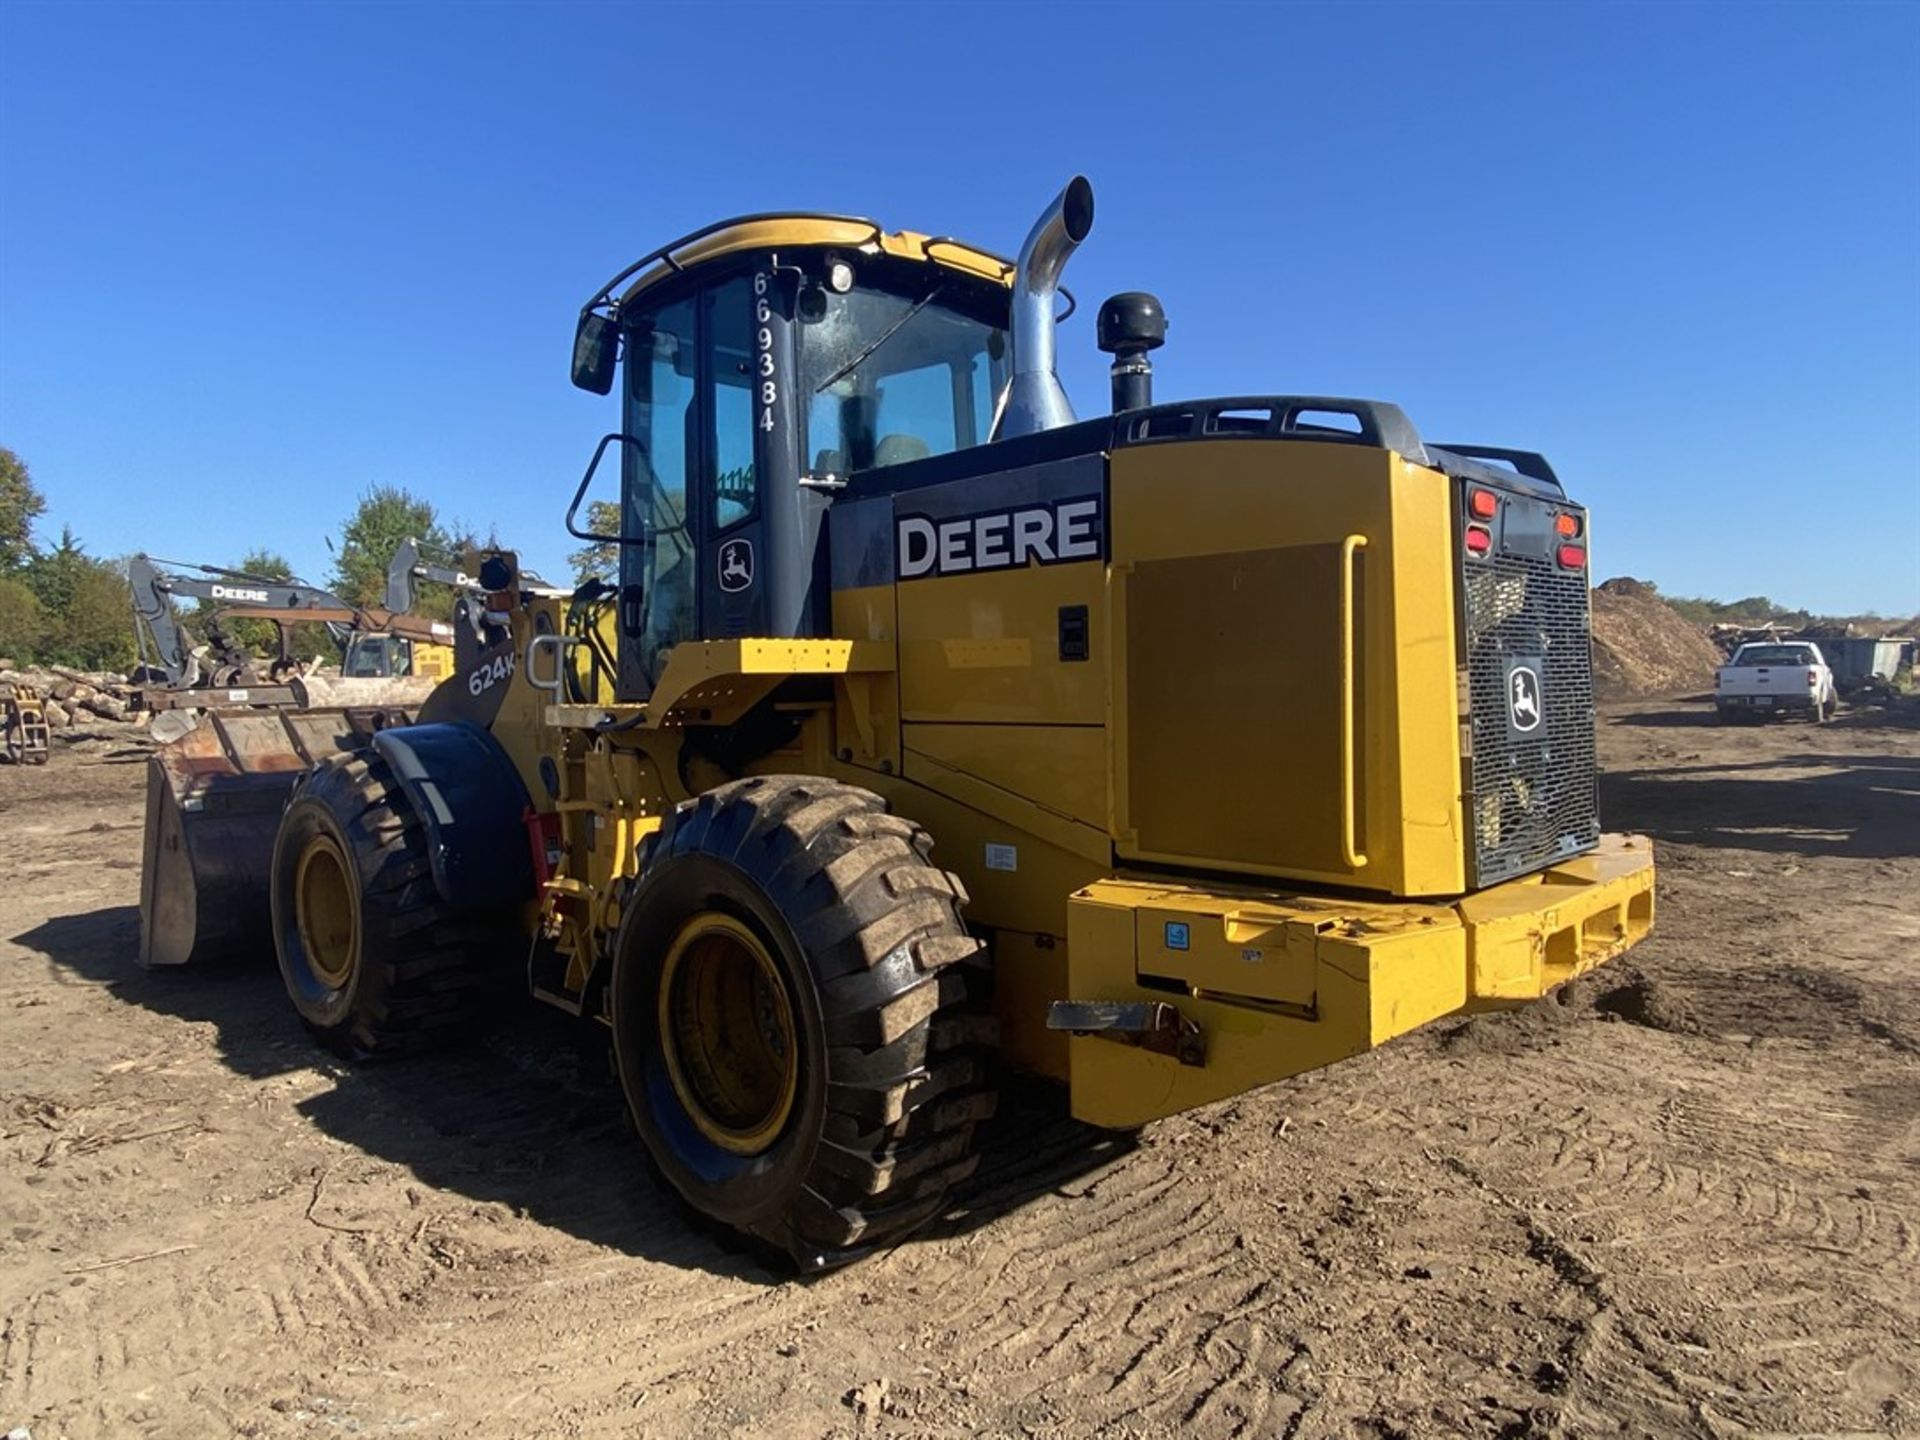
(377,657)
(889,377)
(898,366)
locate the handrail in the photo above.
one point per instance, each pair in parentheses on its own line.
(1381,424)
(559,644)
(1350,851)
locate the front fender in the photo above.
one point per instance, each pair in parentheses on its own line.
(471,799)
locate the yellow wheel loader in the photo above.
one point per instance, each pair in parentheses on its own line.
(929,731)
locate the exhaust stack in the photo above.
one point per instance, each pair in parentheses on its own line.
(1034,400)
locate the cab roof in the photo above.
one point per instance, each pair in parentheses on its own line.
(796,229)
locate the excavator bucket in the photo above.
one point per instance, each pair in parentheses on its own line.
(214,797)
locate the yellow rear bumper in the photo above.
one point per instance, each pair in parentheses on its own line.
(1280,984)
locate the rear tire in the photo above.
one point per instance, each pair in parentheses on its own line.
(373,959)
(799,1017)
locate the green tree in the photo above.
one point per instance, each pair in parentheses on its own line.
(87,605)
(20,504)
(1749,610)
(23,621)
(601,559)
(55,574)
(96,633)
(386,515)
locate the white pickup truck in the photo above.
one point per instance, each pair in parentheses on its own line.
(1775,677)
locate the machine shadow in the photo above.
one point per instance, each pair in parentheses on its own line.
(1902,713)
(1697,713)
(1862,807)
(527,1115)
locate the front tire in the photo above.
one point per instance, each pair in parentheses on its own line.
(798,1017)
(373,959)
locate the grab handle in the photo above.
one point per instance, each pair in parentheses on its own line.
(559,644)
(1350,851)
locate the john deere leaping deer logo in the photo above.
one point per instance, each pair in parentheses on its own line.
(736,565)
(1523,697)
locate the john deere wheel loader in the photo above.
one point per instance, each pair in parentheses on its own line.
(929,730)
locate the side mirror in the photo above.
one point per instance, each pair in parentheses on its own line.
(596,349)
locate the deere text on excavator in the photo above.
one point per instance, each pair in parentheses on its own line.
(928,730)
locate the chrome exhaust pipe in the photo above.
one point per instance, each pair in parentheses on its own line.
(1034,400)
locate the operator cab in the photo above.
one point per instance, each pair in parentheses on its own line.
(380,657)
(765,361)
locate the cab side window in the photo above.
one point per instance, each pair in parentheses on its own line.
(662,416)
(736,491)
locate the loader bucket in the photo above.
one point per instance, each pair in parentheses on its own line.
(214,798)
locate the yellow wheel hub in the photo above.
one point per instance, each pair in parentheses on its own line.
(327,903)
(727,1030)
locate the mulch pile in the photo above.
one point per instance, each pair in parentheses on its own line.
(1642,646)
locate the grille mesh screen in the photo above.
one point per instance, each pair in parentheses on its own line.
(1531,792)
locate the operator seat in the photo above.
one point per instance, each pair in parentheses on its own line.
(899,449)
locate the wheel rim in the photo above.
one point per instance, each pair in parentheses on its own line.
(728,1035)
(327,905)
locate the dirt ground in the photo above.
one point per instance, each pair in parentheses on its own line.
(1683,1199)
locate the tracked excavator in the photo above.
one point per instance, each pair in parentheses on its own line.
(388,643)
(930,732)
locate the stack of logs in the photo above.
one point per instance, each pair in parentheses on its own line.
(74,699)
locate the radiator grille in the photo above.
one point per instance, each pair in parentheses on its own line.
(1531,791)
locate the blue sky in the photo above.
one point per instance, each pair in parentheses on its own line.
(254,258)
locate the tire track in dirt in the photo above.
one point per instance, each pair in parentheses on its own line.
(1799,1164)
(1603,1353)
(1648,1178)
(1131,1315)
(1127,1305)
(19,1329)
(279,1305)
(1085,1242)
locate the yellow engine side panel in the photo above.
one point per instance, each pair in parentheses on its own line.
(1059,768)
(1230,654)
(986,647)
(867,704)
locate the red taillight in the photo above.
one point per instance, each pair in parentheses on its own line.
(1573,556)
(1483,504)
(1813,677)
(1479,540)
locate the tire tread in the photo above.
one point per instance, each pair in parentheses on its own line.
(910,1039)
(434,976)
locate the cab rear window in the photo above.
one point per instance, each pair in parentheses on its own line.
(1774,655)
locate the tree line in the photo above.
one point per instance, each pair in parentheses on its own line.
(61,605)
